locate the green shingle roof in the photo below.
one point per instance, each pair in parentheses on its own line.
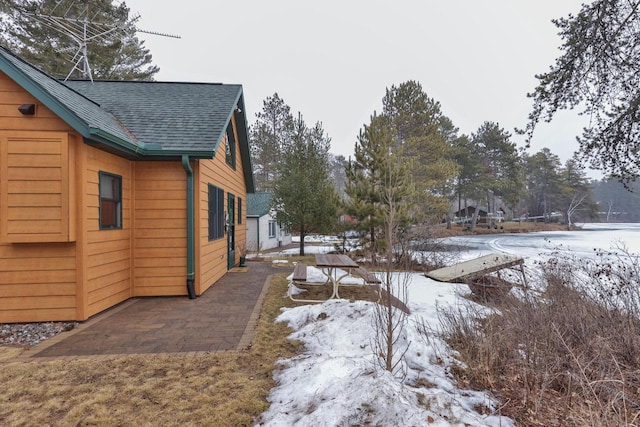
(177,116)
(258,204)
(141,119)
(81,113)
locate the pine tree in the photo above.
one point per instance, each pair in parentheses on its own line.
(376,166)
(304,197)
(118,55)
(576,193)
(501,165)
(470,170)
(544,183)
(598,72)
(425,135)
(270,133)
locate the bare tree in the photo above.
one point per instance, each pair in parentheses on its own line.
(390,316)
(574,204)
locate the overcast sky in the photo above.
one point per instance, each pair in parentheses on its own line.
(332,60)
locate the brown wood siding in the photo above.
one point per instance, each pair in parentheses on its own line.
(211,261)
(11,97)
(38,281)
(35,191)
(160,236)
(107,253)
(35,162)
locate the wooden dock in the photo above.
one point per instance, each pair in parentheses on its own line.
(477,267)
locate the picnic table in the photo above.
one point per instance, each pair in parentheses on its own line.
(336,267)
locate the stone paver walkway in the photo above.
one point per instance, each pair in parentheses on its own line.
(224,318)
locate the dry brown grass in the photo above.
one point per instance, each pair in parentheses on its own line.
(213,389)
(507,227)
(208,389)
(567,358)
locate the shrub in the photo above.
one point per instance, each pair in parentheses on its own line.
(576,344)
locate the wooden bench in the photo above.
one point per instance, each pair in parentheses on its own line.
(299,276)
(369,278)
(299,272)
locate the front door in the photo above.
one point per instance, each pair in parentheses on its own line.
(231,231)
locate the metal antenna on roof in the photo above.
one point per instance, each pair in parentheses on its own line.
(84,30)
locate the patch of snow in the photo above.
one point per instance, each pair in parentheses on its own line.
(337,380)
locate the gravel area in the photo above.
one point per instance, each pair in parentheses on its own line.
(29,334)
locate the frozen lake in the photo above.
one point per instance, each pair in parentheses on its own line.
(531,246)
(540,244)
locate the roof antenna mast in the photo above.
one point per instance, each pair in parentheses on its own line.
(83,30)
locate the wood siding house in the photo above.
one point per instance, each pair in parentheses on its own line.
(112,190)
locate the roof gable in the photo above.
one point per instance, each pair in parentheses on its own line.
(176,116)
(258,204)
(141,119)
(84,115)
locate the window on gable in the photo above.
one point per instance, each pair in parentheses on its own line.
(216,212)
(239,210)
(272,229)
(231,146)
(110,200)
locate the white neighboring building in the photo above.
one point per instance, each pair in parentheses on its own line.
(263,232)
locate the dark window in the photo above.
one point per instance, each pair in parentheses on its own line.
(110,200)
(231,146)
(272,229)
(239,210)
(216,212)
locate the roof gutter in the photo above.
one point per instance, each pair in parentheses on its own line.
(141,149)
(191,269)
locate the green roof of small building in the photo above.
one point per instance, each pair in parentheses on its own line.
(258,204)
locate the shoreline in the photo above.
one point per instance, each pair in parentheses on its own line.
(504,227)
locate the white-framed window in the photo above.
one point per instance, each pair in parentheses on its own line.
(272,229)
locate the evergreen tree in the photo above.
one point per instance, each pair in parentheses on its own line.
(118,55)
(424,135)
(615,203)
(501,173)
(338,172)
(268,136)
(470,171)
(303,196)
(364,177)
(544,183)
(376,166)
(577,199)
(598,71)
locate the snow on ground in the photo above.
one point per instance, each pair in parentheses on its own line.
(337,379)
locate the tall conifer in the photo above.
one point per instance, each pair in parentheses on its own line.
(118,55)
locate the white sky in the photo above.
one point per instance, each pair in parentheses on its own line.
(333,60)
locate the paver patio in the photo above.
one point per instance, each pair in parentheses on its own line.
(223,318)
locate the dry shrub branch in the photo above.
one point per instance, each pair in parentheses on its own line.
(567,357)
